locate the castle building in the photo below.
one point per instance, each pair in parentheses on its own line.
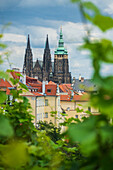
(59,74)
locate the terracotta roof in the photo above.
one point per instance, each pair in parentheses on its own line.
(37,94)
(7,91)
(66,88)
(4,83)
(51,82)
(14,74)
(65,97)
(81,97)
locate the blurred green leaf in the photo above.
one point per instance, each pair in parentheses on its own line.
(3,96)
(3,75)
(14,155)
(6,129)
(23,86)
(74,1)
(91,6)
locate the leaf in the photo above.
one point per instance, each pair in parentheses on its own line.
(74,1)
(3,46)
(103,22)
(14,155)
(1,35)
(18,74)
(91,6)
(23,86)
(3,75)
(5,127)
(3,96)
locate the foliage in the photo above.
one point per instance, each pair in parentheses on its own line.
(53,132)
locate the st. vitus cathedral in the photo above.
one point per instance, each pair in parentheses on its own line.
(59,74)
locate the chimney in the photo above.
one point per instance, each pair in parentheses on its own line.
(58,91)
(79,77)
(82,79)
(43,87)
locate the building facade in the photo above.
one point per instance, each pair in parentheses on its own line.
(59,74)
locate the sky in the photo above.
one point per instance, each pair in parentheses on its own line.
(41,17)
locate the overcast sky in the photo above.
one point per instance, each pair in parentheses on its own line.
(41,17)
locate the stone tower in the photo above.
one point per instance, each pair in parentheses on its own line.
(47,65)
(28,60)
(61,66)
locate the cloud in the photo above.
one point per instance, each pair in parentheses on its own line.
(109,8)
(14,38)
(8,4)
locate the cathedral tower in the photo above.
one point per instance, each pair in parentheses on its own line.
(28,60)
(61,66)
(47,65)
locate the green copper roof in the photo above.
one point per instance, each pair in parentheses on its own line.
(61,50)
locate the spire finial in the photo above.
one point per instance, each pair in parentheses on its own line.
(47,43)
(28,42)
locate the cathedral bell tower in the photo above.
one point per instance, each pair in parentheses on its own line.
(28,60)
(61,66)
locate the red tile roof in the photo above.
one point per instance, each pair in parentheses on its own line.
(37,94)
(66,88)
(65,97)
(51,82)
(4,83)
(80,97)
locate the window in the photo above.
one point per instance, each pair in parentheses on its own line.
(46,115)
(48,90)
(76,116)
(39,116)
(46,102)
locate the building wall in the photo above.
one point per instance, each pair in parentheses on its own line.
(32,101)
(70,109)
(52,106)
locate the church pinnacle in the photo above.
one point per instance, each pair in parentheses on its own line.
(28,42)
(47,65)
(47,43)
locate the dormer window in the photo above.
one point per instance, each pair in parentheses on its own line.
(49,90)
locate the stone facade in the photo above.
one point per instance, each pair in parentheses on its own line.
(60,73)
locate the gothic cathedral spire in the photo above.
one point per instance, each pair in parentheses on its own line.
(47,65)
(28,60)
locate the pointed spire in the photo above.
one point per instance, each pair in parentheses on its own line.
(47,43)
(28,42)
(61,35)
(61,41)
